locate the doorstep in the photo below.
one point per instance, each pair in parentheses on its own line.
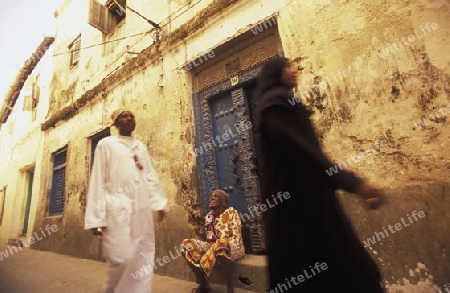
(249,273)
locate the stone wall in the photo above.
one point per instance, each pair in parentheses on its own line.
(377,77)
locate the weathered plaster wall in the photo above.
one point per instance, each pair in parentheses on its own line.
(383,97)
(379,69)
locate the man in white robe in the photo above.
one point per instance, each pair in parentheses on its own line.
(124,192)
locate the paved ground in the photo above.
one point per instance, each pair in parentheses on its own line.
(31,271)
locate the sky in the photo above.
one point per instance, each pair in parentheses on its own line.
(23,24)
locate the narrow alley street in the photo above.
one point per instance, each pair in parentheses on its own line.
(31,271)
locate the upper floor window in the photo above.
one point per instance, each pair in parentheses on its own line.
(31,99)
(106,15)
(74,48)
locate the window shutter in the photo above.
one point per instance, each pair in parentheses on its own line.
(35,94)
(98,16)
(57,191)
(27,103)
(28,92)
(76,48)
(75,51)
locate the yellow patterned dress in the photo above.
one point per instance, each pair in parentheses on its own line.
(223,238)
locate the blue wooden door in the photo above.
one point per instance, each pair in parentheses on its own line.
(229,163)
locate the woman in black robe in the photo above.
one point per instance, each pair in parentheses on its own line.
(311,244)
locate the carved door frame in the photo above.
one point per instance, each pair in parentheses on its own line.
(206,161)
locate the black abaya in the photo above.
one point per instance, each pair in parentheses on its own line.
(310,226)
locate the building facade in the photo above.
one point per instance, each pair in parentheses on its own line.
(21,146)
(375,74)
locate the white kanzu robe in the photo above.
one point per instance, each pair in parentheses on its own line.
(122,198)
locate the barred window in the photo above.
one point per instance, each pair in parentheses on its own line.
(57,192)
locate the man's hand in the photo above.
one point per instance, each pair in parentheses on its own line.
(161,215)
(371,196)
(96,231)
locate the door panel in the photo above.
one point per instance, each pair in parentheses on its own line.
(30,177)
(229,165)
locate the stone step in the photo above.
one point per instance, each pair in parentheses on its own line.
(249,273)
(16,242)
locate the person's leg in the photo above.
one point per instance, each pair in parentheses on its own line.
(194,251)
(227,272)
(116,259)
(114,274)
(200,278)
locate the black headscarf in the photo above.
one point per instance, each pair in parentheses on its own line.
(270,75)
(271,91)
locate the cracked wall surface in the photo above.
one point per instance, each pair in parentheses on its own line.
(376,72)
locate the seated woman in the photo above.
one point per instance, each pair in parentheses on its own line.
(223,243)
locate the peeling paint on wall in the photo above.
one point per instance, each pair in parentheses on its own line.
(418,281)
